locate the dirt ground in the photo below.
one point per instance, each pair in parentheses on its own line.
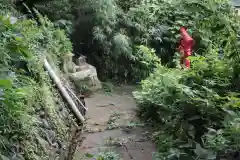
(112,125)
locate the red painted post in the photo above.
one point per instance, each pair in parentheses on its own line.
(185,47)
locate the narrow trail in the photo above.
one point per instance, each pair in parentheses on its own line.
(112,125)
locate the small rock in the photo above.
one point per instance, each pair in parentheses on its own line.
(44,144)
(13,149)
(55,145)
(95,130)
(100,130)
(45,124)
(58,151)
(38,121)
(37,109)
(95,123)
(64,113)
(64,147)
(42,114)
(50,135)
(59,144)
(13,20)
(127,130)
(60,109)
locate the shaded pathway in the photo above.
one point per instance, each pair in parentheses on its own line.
(113,126)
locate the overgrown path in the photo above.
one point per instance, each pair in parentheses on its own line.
(113,126)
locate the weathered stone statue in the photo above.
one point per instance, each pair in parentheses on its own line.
(68,64)
(83,75)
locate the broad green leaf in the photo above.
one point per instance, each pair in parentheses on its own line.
(88,155)
(5,83)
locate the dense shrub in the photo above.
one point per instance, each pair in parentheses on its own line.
(157,23)
(131,68)
(25,88)
(195,111)
(189,107)
(114,32)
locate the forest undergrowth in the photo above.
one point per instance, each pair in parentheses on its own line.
(195,112)
(32,123)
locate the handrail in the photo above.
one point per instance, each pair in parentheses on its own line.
(64,92)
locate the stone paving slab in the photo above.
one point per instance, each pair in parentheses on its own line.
(131,144)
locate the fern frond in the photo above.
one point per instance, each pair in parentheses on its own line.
(98,34)
(122,45)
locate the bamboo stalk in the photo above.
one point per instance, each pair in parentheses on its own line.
(74,95)
(63,90)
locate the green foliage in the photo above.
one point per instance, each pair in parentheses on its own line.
(108,43)
(104,156)
(23,82)
(192,109)
(144,62)
(131,68)
(117,28)
(157,24)
(59,9)
(109,30)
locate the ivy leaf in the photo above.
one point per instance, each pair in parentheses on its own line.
(25,52)
(88,155)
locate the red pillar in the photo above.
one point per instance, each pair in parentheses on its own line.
(185,47)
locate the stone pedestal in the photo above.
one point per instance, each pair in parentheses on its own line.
(85,75)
